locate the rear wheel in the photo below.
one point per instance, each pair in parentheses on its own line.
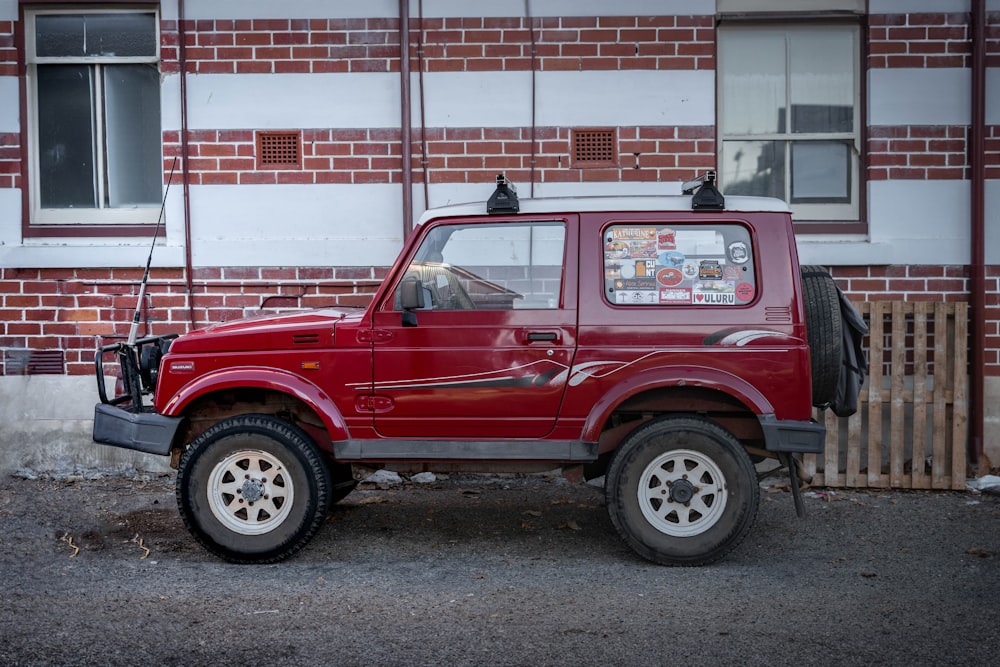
(682,491)
(253,489)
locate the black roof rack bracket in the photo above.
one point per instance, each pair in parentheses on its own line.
(504,198)
(706,195)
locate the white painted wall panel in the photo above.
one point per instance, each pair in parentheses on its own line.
(267,9)
(992,222)
(445,194)
(170,102)
(910,222)
(642,97)
(936,96)
(926,221)
(10,219)
(10,105)
(993,95)
(474,99)
(8,10)
(296,225)
(277,101)
(480,99)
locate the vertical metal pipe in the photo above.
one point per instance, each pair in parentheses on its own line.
(406,132)
(977,279)
(185,170)
(424,161)
(534,50)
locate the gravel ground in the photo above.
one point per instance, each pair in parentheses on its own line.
(496,570)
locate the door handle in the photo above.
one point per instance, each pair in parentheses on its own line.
(537,336)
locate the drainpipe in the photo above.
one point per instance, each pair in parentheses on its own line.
(977,282)
(534,63)
(185,171)
(420,91)
(405,130)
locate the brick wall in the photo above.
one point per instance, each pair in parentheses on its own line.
(920,40)
(926,283)
(78,310)
(927,152)
(452,44)
(8,51)
(454,155)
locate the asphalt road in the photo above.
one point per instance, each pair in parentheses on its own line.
(497,571)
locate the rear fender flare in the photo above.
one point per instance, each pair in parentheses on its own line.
(274,379)
(673,376)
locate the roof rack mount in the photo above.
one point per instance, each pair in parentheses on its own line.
(504,198)
(707,197)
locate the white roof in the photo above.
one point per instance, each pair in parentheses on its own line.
(619,203)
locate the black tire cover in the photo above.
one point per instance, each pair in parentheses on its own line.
(823,326)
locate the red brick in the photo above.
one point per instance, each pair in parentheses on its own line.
(295,177)
(257,177)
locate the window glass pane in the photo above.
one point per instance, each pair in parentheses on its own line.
(491,267)
(822,80)
(821,172)
(132,133)
(754,168)
(671,265)
(125,34)
(66,136)
(753,81)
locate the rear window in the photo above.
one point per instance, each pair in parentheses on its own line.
(679,265)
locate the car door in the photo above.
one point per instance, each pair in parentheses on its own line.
(487,355)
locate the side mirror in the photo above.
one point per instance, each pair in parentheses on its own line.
(411,297)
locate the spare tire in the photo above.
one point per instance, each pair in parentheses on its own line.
(823,327)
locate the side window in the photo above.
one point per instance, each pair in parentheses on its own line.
(94,114)
(504,266)
(690,265)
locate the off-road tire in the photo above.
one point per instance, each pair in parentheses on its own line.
(681,490)
(253,489)
(823,327)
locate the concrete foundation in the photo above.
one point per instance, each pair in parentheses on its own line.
(46,423)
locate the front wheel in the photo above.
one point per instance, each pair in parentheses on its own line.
(253,489)
(682,491)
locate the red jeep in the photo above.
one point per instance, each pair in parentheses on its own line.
(658,341)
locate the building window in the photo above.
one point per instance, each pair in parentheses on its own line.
(94,117)
(789,116)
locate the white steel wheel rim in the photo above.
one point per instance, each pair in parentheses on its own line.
(682,493)
(250,492)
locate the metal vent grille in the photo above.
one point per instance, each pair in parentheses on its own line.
(593,147)
(305,339)
(279,150)
(34,362)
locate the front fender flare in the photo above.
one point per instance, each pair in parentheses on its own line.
(673,376)
(262,377)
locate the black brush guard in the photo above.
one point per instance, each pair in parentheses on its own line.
(123,421)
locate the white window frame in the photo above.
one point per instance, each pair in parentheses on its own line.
(826,212)
(100,216)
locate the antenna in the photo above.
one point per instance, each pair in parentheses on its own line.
(134,329)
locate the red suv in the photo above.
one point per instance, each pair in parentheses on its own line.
(658,341)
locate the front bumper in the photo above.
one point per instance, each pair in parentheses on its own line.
(798,437)
(135,426)
(147,432)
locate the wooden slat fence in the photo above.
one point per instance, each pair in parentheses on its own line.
(911,427)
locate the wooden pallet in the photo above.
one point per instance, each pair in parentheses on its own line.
(911,429)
